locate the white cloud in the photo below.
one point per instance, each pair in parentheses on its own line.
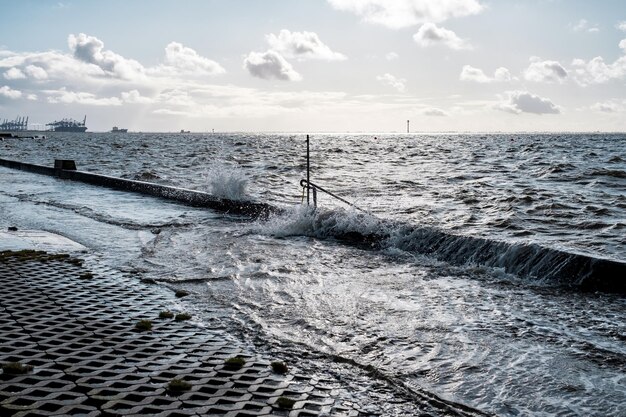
(8,92)
(469,73)
(135,97)
(397,14)
(179,58)
(392,56)
(430,34)
(302,45)
(503,74)
(597,71)
(435,112)
(14,74)
(545,71)
(90,49)
(396,83)
(584,26)
(622,25)
(36,72)
(607,107)
(70,97)
(270,64)
(524,102)
(52,64)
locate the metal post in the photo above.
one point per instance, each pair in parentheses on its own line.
(308,170)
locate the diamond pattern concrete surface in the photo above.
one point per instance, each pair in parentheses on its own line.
(78,332)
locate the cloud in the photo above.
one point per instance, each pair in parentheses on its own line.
(71,97)
(517,102)
(179,58)
(270,64)
(396,83)
(434,112)
(36,72)
(302,45)
(607,107)
(8,92)
(398,14)
(583,26)
(391,56)
(503,74)
(469,73)
(430,34)
(14,74)
(622,26)
(135,97)
(90,49)
(596,71)
(545,71)
(52,65)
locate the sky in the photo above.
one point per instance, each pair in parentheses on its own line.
(316,65)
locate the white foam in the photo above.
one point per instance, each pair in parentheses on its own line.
(227,182)
(304,221)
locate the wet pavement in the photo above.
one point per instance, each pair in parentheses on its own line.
(77,329)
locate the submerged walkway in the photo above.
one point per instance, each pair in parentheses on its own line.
(78,331)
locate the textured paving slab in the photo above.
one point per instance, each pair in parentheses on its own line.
(77,329)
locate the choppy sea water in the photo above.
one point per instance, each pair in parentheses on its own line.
(500,342)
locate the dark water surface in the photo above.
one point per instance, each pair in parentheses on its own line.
(502,343)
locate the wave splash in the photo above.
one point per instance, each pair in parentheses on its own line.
(227,182)
(525,260)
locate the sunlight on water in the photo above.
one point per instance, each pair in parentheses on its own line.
(454,287)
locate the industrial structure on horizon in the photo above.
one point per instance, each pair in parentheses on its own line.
(68,125)
(20,124)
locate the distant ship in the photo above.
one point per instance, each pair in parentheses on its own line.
(68,125)
(118,130)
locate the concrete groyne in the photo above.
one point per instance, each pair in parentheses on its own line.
(66,169)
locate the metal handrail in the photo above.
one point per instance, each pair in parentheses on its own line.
(309,185)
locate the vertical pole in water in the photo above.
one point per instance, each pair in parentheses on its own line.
(407,126)
(308,170)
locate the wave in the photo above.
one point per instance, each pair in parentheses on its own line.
(227,182)
(526,260)
(615,173)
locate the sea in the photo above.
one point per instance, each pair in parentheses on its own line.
(444,276)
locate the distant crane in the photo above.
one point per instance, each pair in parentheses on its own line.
(17,125)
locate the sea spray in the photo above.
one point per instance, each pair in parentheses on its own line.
(225,181)
(320,223)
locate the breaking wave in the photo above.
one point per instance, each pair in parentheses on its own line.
(530,261)
(227,182)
